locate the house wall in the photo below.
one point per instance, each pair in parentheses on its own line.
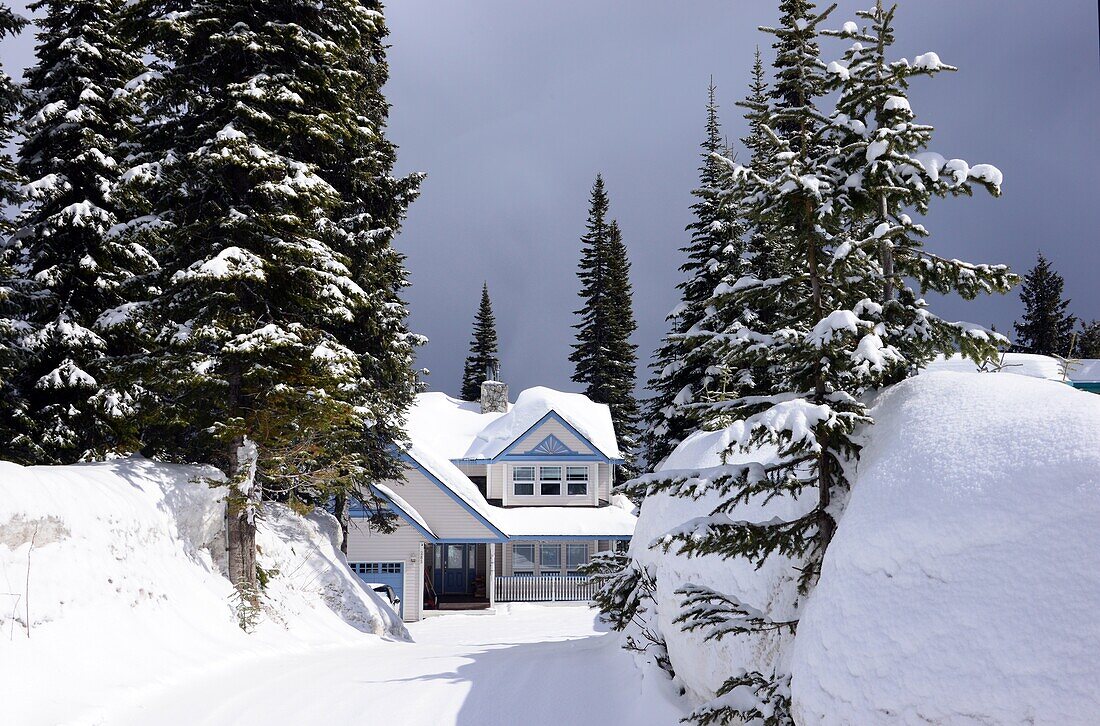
(404,545)
(447,518)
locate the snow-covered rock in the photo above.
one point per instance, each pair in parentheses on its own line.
(111,574)
(962,585)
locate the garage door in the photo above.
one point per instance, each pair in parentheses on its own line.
(384,573)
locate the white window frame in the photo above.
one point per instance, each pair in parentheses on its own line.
(587,480)
(523,571)
(571,569)
(551,571)
(559,481)
(534,481)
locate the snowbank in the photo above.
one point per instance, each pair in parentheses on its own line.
(701,667)
(1022,364)
(962,586)
(115,569)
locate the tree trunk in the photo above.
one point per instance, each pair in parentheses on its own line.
(824,472)
(240,506)
(340,510)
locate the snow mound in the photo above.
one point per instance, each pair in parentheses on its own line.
(962,586)
(592,420)
(111,574)
(702,666)
(1021,364)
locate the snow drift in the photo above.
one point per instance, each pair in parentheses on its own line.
(111,574)
(702,667)
(962,586)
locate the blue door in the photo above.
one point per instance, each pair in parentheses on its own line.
(455,580)
(383,573)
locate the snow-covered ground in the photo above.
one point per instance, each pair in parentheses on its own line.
(114,609)
(537,665)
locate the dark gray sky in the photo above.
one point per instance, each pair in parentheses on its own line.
(512,107)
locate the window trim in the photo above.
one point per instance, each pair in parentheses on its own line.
(570,483)
(544,482)
(531,560)
(550,571)
(532,482)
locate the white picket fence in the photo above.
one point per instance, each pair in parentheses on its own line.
(520,588)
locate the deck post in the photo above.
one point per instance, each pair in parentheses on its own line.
(491,575)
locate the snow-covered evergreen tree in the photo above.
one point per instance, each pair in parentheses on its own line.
(604,358)
(682,368)
(13,403)
(483,356)
(845,321)
(1047,325)
(1088,341)
(77,277)
(271,363)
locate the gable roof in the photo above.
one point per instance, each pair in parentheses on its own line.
(588,420)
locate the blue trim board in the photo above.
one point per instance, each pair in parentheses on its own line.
(409,459)
(567,537)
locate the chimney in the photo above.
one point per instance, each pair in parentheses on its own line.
(494,393)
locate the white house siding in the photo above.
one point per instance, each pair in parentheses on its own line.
(552,427)
(404,545)
(604,482)
(447,518)
(495,484)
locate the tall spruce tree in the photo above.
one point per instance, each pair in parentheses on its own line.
(842,182)
(261,364)
(682,369)
(604,358)
(483,356)
(13,287)
(77,276)
(1047,326)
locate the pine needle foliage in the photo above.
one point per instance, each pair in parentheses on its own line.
(484,358)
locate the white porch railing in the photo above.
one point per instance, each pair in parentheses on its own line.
(521,588)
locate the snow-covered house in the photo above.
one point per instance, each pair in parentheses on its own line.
(501,502)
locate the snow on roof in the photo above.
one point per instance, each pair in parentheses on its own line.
(405,507)
(592,420)
(609,521)
(448,425)
(535,522)
(1023,364)
(452,477)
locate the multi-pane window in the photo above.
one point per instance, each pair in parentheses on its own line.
(575,556)
(523,559)
(523,481)
(376,568)
(576,480)
(550,480)
(549,559)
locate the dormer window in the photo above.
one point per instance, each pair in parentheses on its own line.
(523,481)
(550,481)
(576,479)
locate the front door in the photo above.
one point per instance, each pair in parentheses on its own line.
(455,563)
